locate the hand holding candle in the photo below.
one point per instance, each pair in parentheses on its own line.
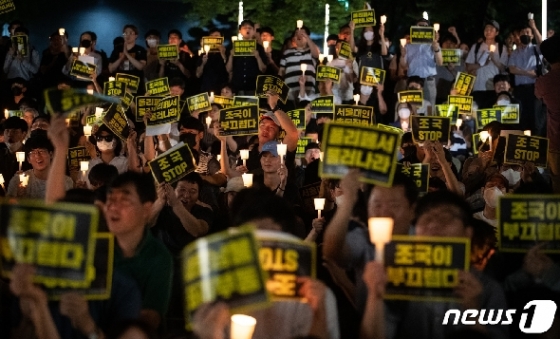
(492,48)
(84,166)
(244,153)
(111,78)
(436,27)
(247,179)
(527,132)
(303,68)
(319,205)
(242,326)
(357,98)
(75,50)
(425,15)
(206,49)
(61,31)
(380,233)
(24,179)
(87,130)
(404,126)
(6,114)
(281,149)
(82,50)
(299,24)
(208,121)
(383,19)
(266,44)
(403,42)
(212,97)
(459,123)
(20,156)
(530,16)
(1,180)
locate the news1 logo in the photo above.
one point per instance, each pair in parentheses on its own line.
(537,316)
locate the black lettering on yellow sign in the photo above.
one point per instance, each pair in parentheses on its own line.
(15,113)
(21,45)
(526,220)
(390,128)
(266,83)
(448,111)
(239,120)
(57,239)
(362,115)
(132,82)
(510,113)
(199,102)
(415,97)
(244,47)
(244,101)
(214,42)
(425,268)
(285,259)
(167,110)
(430,128)
(158,87)
(475,141)
(364,18)
(225,265)
(82,69)
(463,102)
(71,100)
(307,194)
(521,149)
(371,76)
(174,164)
(144,104)
(75,155)
(421,35)
(298,118)
(126,100)
(224,101)
(168,52)
(486,116)
(464,83)
(418,173)
(323,104)
(328,73)
(451,56)
(301,144)
(368,148)
(345,51)
(114,88)
(7,6)
(117,122)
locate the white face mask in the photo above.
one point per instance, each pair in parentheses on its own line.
(104,145)
(404,113)
(152,42)
(503,102)
(338,200)
(491,196)
(512,176)
(368,35)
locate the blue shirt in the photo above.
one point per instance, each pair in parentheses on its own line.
(420,60)
(525,59)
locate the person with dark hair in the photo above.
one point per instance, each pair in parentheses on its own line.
(404,111)
(547,88)
(441,166)
(415,83)
(273,55)
(102,174)
(184,66)
(15,131)
(18,66)
(86,42)
(129,58)
(136,329)
(40,122)
(108,149)
(39,151)
(54,59)
(139,255)
(211,67)
(152,38)
(496,186)
(18,95)
(483,244)
(446,73)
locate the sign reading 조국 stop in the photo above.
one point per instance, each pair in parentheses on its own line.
(522,148)
(173,165)
(370,149)
(430,128)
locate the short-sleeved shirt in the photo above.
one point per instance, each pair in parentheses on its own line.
(137,52)
(36,188)
(245,71)
(214,74)
(485,74)
(547,88)
(525,59)
(421,61)
(152,269)
(291,62)
(344,90)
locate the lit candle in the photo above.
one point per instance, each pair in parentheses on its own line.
(82,50)
(330,57)
(244,153)
(1,180)
(530,16)
(321,58)
(266,44)
(404,126)
(219,157)
(90,91)
(383,19)
(242,326)
(111,78)
(459,123)
(24,179)
(239,36)
(299,24)
(303,68)
(492,48)
(75,50)
(527,133)
(357,98)
(206,49)
(212,97)
(281,148)
(87,130)
(208,121)
(234,38)
(6,114)
(490,140)
(67,122)
(98,112)
(436,27)
(425,15)
(200,51)
(84,166)
(61,31)
(319,205)
(380,233)
(247,179)
(403,42)
(483,136)
(321,156)
(20,156)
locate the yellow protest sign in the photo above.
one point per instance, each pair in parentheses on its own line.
(323,104)
(168,52)
(522,148)
(224,266)
(114,88)
(199,102)
(486,116)
(464,83)
(214,42)
(82,69)
(244,47)
(266,83)
(66,101)
(126,100)
(328,73)
(145,103)
(7,6)
(430,128)
(364,18)
(345,51)
(463,102)
(390,128)
(75,155)
(448,111)
(225,102)
(510,113)
(166,111)
(158,87)
(371,149)
(527,220)
(451,57)
(425,268)
(301,144)
(239,120)
(58,239)
(20,43)
(415,97)
(15,113)
(298,118)
(132,82)
(418,173)
(421,35)
(117,122)
(174,164)
(239,100)
(371,76)
(362,115)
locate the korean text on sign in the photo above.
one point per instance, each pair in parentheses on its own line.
(239,120)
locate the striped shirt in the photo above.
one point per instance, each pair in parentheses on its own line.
(291,62)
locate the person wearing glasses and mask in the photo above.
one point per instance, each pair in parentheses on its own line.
(38,150)
(108,148)
(87,41)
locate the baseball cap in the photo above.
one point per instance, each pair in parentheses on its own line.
(492,23)
(270,147)
(271,116)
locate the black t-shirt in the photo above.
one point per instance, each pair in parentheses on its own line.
(214,74)
(55,63)
(137,52)
(276,56)
(246,70)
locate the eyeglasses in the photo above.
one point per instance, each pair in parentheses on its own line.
(40,152)
(107,138)
(127,34)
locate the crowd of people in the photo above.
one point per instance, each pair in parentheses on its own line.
(152,223)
